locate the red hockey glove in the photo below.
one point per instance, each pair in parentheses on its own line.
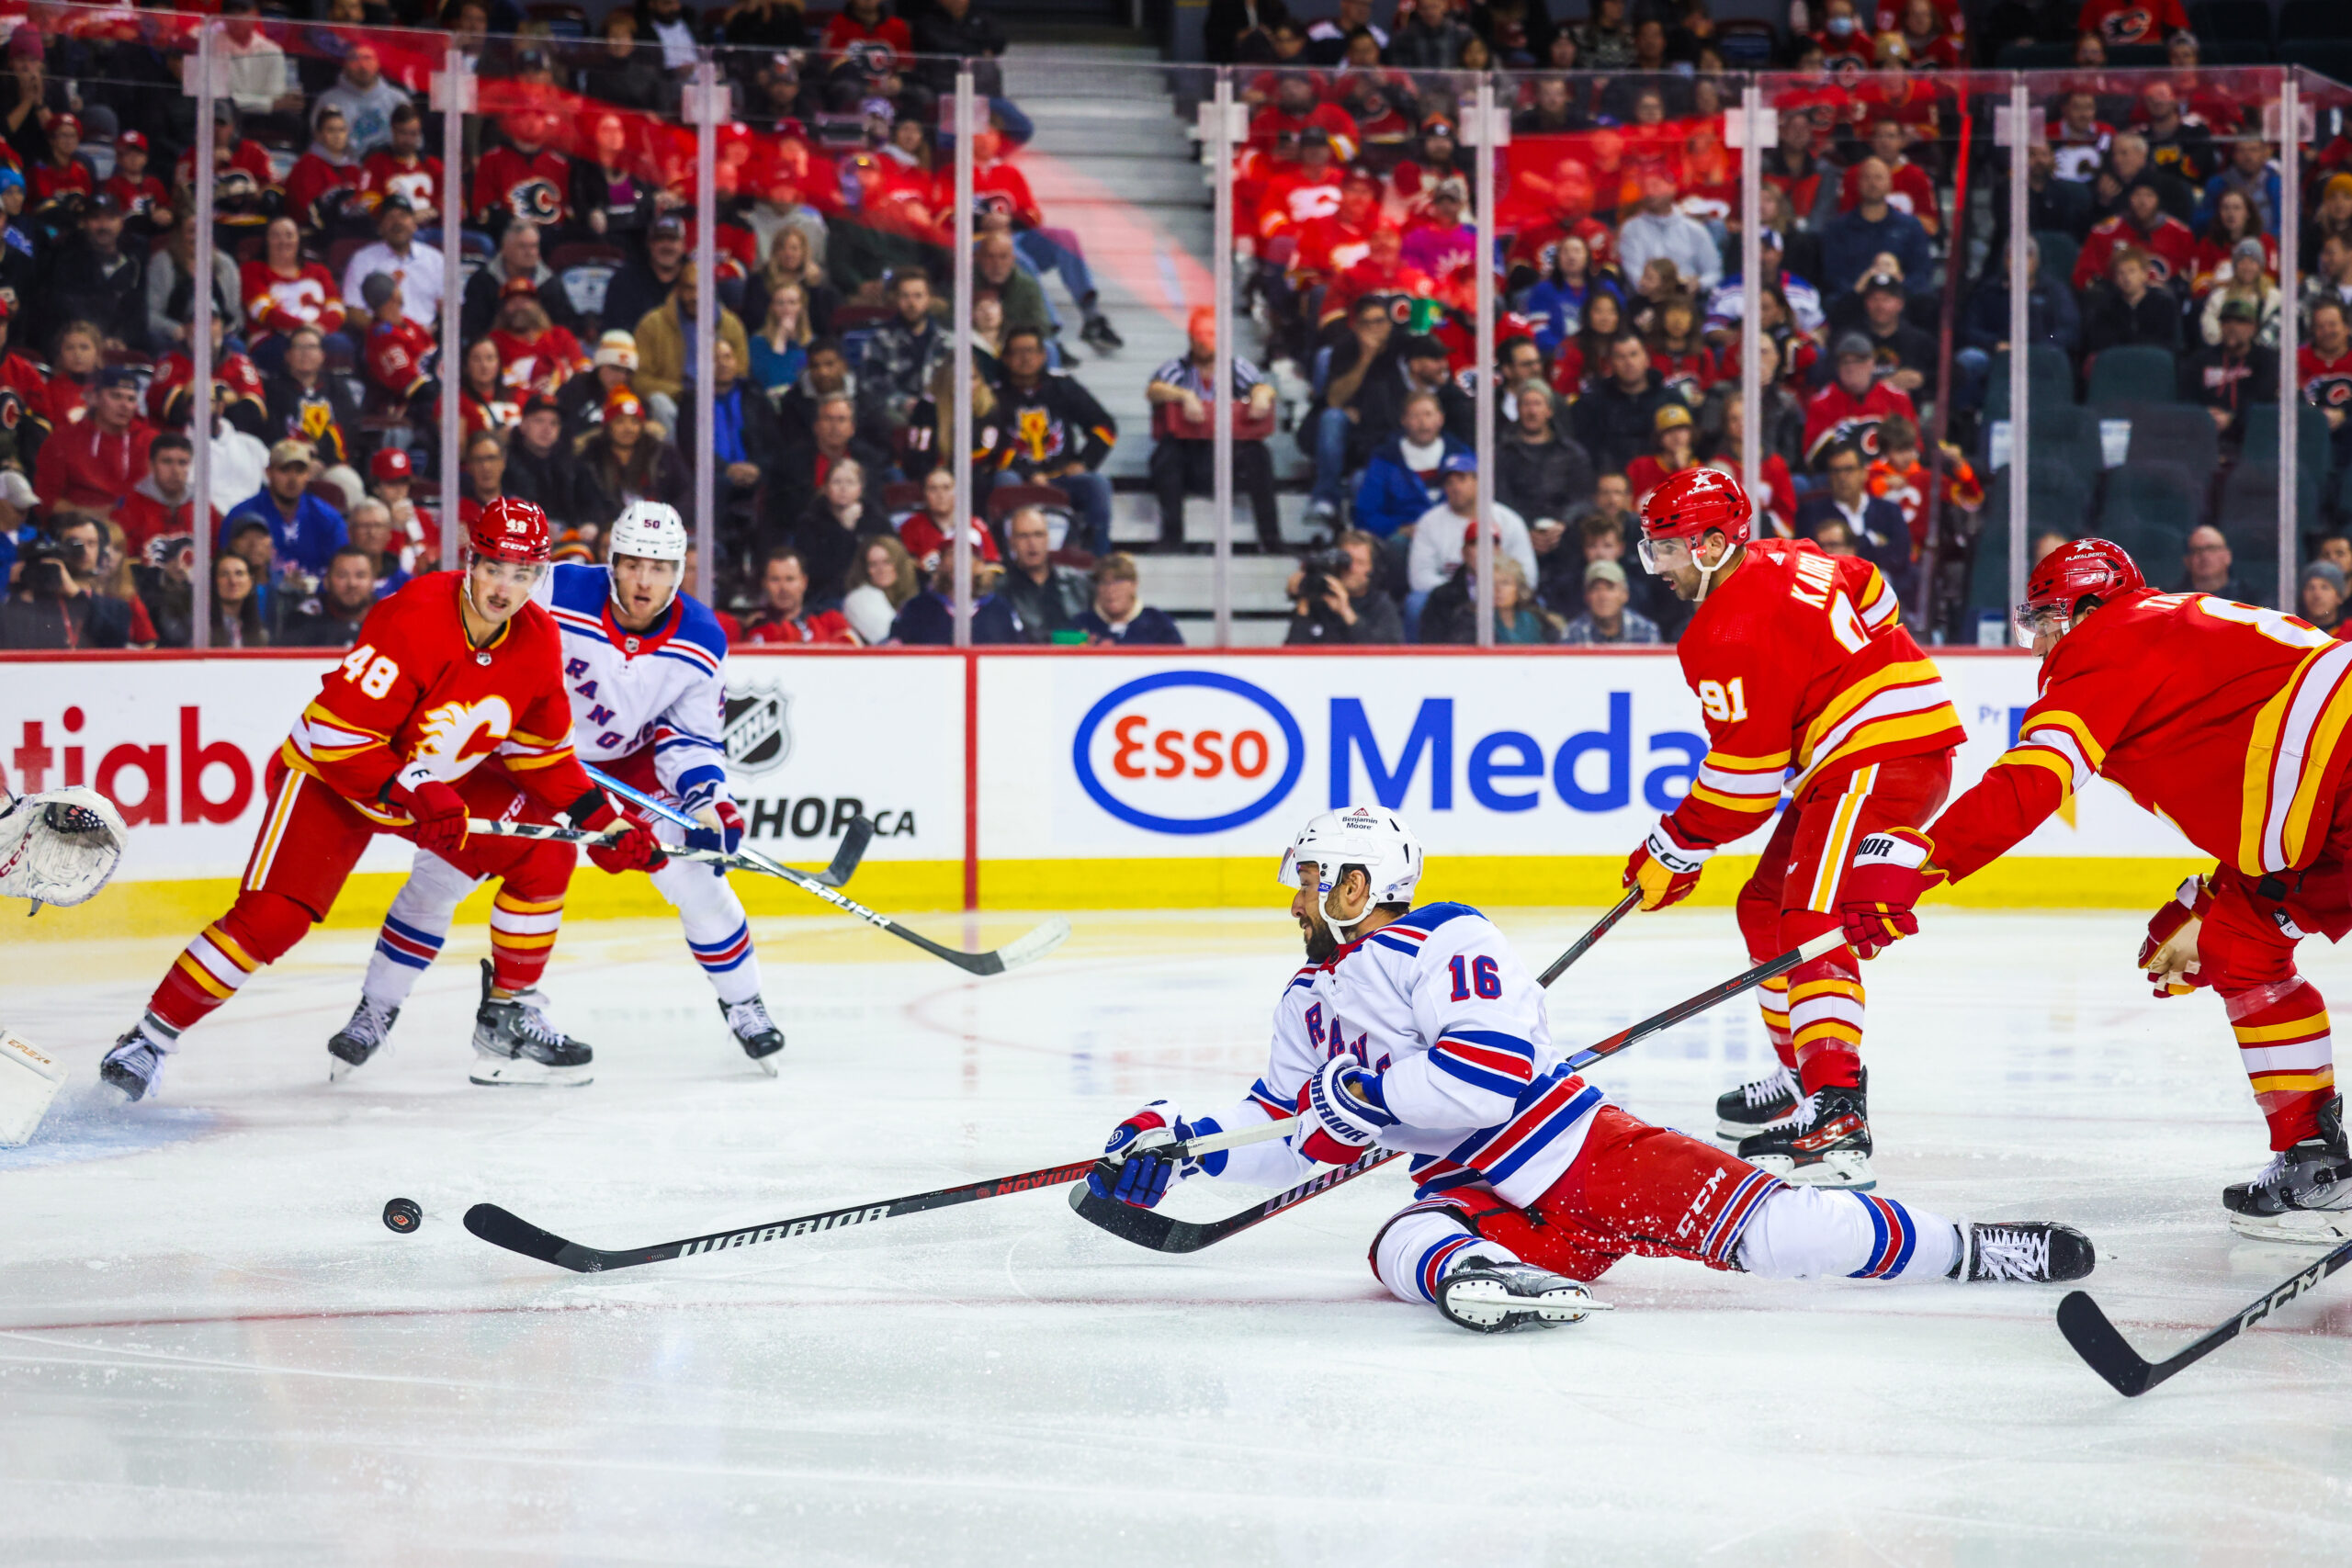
(1340,1111)
(1663,868)
(1885,878)
(2168,956)
(633,848)
(437,811)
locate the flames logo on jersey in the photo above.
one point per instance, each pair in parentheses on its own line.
(12,409)
(536,201)
(1038,433)
(873,56)
(455,736)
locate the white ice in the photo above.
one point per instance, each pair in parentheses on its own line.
(213,1351)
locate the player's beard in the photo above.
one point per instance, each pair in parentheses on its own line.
(1320,942)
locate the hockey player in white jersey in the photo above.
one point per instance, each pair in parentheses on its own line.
(1418,1030)
(644,662)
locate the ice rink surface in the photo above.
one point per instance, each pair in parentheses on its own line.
(211,1350)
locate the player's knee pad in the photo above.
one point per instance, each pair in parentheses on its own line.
(1758,911)
(690,888)
(428,900)
(1419,1243)
(2240,948)
(542,872)
(1808,1233)
(265,924)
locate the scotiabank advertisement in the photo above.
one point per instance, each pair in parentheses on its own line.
(1080,756)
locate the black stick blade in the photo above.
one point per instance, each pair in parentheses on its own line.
(853,842)
(1145,1227)
(2095,1341)
(499,1228)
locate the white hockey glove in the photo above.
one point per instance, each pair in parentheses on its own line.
(59,847)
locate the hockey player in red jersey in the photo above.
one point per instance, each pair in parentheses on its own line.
(2229,721)
(452,705)
(1804,672)
(1418,1029)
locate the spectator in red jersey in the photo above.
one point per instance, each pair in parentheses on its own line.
(1853,405)
(59,182)
(2079,140)
(283,291)
(239,396)
(1670,451)
(2117,22)
(2143,225)
(2323,371)
(783,614)
(533,354)
(245,185)
(2236,221)
(323,188)
(144,202)
(860,34)
(1281,127)
(163,501)
(525,181)
(484,401)
(92,464)
(928,535)
(403,169)
(75,361)
(399,355)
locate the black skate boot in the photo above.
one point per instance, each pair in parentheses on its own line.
(754,1031)
(355,1042)
(2305,1193)
(514,1043)
(1755,1106)
(134,1063)
(1826,1143)
(2029,1252)
(1486,1297)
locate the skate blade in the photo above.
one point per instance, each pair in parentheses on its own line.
(2297,1227)
(338,1069)
(493,1071)
(1489,1306)
(1845,1172)
(767,1064)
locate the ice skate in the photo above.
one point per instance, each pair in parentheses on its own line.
(2029,1252)
(2305,1194)
(360,1039)
(1756,1105)
(134,1064)
(754,1031)
(1826,1143)
(1495,1298)
(514,1043)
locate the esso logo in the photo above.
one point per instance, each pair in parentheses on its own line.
(1188,751)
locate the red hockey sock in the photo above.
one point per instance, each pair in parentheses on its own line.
(256,930)
(2283,1044)
(1826,1020)
(522,935)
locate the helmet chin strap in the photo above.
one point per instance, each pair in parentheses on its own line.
(1707,572)
(1323,905)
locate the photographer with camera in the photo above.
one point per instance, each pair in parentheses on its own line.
(55,604)
(1335,600)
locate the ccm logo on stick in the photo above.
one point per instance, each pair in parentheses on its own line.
(1188,751)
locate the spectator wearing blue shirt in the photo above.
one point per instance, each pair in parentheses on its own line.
(304,531)
(16,501)
(1401,482)
(1118,617)
(745,437)
(1850,241)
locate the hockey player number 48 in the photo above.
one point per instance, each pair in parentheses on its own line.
(369,670)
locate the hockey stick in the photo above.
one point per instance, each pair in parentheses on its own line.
(1165,1232)
(1624,906)
(1689,1008)
(854,837)
(2096,1340)
(1025,949)
(500,1228)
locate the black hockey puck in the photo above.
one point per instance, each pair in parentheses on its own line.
(402,1214)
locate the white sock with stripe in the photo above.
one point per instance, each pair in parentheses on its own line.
(1813,1233)
(1420,1245)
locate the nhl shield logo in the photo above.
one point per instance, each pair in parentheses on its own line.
(758,732)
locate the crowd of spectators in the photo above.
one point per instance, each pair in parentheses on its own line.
(2153,202)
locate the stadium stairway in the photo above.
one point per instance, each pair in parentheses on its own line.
(1114,160)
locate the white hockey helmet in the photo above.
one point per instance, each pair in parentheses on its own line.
(649,530)
(1368,836)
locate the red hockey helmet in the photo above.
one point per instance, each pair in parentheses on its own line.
(2079,570)
(512,529)
(1691,503)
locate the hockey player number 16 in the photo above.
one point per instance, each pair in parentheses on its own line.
(1483,979)
(369,670)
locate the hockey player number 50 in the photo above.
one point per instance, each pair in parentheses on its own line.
(369,670)
(1482,979)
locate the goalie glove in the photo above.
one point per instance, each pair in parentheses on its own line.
(59,847)
(1663,868)
(1886,877)
(2168,955)
(1132,1169)
(1341,1111)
